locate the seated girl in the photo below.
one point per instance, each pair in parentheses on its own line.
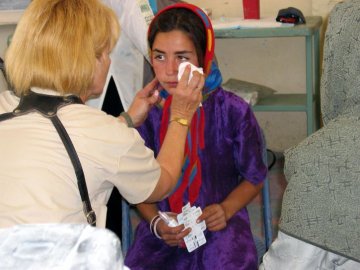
(223,168)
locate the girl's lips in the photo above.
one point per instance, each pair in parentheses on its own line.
(172,84)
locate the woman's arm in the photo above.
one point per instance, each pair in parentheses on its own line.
(186,99)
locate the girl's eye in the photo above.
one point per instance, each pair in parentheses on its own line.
(159,57)
(183,58)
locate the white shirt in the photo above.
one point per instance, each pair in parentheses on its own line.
(37,180)
(127,58)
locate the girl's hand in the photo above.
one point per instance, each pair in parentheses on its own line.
(172,236)
(214,216)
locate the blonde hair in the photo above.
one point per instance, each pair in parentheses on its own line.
(56,43)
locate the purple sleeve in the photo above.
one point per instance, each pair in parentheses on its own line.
(248,142)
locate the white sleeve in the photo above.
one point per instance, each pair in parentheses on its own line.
(127,71)
(134,17)
(139,172)
(127,56)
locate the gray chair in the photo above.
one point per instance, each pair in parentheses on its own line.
(262,245)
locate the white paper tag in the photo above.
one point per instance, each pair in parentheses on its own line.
(188,217)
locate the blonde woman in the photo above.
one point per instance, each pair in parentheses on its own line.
(61,48)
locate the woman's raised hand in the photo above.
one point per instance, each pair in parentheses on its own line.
(188,95)
(144,100)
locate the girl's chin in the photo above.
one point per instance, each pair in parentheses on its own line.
(171,85)
(170,88)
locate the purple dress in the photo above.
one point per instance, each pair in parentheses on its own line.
(233,151)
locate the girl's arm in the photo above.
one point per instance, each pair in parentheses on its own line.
(217,215)
(173,236)
(240,197)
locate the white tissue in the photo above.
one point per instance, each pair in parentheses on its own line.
(193,68)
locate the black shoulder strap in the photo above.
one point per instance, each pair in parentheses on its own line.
(47,106)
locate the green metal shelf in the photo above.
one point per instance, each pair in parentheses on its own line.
(313,23)
(309,101)
(282,102)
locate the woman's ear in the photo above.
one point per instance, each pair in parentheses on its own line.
(101,58)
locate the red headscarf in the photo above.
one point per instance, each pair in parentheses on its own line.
(191,172)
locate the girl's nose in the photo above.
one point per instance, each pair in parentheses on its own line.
(171,67)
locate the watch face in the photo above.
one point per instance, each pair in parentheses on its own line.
(181,121)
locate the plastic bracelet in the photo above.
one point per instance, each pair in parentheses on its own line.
(155,230)
(128,119)
(151,226)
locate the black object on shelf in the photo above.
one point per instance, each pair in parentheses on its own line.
(290,15)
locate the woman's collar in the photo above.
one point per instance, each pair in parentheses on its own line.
(45,91)
(50,92)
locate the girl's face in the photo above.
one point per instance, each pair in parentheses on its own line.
(169,50)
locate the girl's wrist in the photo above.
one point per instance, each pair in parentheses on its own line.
(155,228)
(227,215)
(152,223)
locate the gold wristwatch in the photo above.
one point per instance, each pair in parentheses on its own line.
(181,121)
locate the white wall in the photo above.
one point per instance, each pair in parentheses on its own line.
(267,7)
(259,61)
(233,8)
(8,21)
(5,31)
